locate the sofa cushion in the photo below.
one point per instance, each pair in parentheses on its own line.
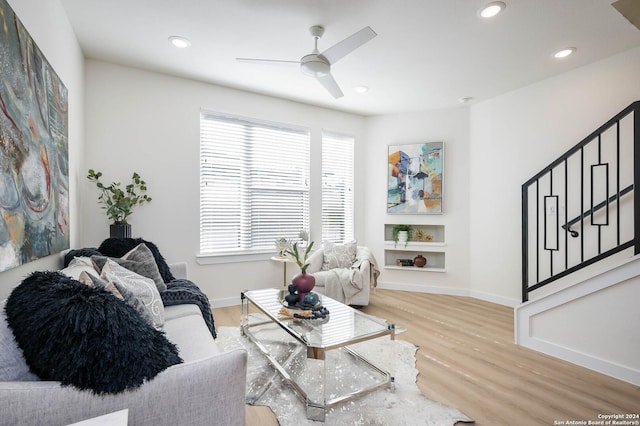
(139,260)
(117,247)
(338,255)
(177,311)
(188,331)
(83,336)
(139,292)
(13,367)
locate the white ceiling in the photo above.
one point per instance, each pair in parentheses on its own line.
(428,53)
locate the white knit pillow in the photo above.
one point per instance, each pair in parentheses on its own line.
(339,255)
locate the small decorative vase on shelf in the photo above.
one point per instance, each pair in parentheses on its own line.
(304,283)
(120,229)
(419,261)
(403,237)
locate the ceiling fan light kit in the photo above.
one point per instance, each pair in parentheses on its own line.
(318,65)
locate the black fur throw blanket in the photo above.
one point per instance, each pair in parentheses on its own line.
(184,291)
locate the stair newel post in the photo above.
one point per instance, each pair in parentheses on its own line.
(525,243)
(636,176)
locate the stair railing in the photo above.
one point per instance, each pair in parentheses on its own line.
(593,183)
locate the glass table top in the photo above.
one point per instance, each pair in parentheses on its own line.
(343,326)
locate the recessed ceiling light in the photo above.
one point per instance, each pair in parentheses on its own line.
(180,42)
(465,100)
(491,9)
(361,89)
(564,52)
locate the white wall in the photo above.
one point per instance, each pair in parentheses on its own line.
(47,24)
(149,122)
(515,135)
(451,127)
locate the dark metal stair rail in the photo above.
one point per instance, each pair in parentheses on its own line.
(552,245)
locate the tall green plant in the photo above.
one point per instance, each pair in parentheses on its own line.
(117,202)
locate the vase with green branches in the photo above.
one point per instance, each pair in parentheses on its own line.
(117,201)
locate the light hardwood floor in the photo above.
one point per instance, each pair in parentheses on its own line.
(467,359)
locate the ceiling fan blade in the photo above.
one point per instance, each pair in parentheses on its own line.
(269,61)
(330,84)
(348,45)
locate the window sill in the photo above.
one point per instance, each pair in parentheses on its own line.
(216,259)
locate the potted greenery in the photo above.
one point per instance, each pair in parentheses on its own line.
(402,233)
(119,202)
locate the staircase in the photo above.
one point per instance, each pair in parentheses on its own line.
(580,247)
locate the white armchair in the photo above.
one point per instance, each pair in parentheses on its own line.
(351,281)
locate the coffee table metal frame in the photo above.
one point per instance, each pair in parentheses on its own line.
(269,302)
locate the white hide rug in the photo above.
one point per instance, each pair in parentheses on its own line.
(404,405)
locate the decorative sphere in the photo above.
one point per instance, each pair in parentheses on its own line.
(311,299)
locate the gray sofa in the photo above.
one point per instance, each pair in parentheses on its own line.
(207,389)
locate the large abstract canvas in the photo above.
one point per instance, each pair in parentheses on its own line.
(34,170)
(415,178)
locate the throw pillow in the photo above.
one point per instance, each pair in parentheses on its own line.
(139,292)
(117,247)
(13,367)
(84,252)
(339,255)
(139,260)
(83,336)
(77,266)
(91,280)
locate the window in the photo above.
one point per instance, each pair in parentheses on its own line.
(337,187)
(254,184)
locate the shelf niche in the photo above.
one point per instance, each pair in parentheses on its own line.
(433,250)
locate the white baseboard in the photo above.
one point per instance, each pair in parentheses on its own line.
(494,298)
(610,368)
(500,300)
(223,303)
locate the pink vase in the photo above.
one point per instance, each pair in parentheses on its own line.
(304,283)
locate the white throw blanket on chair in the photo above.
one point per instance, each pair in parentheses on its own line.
(343,284)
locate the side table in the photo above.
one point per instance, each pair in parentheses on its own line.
(284,260)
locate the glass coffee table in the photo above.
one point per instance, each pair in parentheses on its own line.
(316,357)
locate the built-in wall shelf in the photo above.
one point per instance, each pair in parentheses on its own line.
(431,245)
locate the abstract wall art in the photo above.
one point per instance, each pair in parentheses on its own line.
(34,159)
(415,178)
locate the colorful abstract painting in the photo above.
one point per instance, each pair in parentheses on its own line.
(34,159)
(415,178)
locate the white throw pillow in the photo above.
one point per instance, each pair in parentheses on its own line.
(339,255)
(77,266)
(139,292)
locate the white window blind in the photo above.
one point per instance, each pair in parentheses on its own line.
(337,187)
(254,184)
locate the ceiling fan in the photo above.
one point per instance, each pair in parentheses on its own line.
(318,64)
